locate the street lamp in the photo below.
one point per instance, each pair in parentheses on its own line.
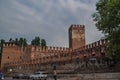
(11,72)
(54,70)
(93,61)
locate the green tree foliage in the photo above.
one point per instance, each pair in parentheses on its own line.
(107,20)
(22,42)
(16,41)
(33,42)
(2,41)
(10,40)
(43,43)
(1,48)
(1,45)
(36,41)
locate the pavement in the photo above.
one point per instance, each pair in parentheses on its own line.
(9,78)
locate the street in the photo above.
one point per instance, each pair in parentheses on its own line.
(9,78)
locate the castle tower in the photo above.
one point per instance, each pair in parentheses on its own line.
(76,36)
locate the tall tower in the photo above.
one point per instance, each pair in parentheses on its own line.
(76,36)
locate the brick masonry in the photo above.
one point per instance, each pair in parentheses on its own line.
(36,58)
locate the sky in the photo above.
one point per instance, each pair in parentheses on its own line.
(48,19)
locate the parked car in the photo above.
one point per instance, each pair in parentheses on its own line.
(18,76)
(26,76)
(38,75)
(21,76)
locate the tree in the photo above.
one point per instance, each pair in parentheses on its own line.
(1,45)
(22,42)
(107,20)
(43,43)
(33,42)
(10,40)
(36,41)
(16,41)
(1,48)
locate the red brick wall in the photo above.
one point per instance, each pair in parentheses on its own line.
(10,54)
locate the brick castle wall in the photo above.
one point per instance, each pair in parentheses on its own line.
(36,57)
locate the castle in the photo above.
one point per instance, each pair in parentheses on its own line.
(33,58)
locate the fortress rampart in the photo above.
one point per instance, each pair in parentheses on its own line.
(60,56)
(26,58)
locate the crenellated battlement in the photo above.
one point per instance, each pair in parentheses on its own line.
(50,49)
(77,27)
(93,45)
(58,50)
(9,44)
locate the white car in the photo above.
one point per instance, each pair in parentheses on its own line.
(38,75)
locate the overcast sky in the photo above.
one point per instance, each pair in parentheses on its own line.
(49,19)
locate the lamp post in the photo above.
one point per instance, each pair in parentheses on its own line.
(11,72)
(54,70)
(93,61)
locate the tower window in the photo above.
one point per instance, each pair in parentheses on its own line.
(8,57)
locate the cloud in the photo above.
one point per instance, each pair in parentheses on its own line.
(49,19)
(75,5)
